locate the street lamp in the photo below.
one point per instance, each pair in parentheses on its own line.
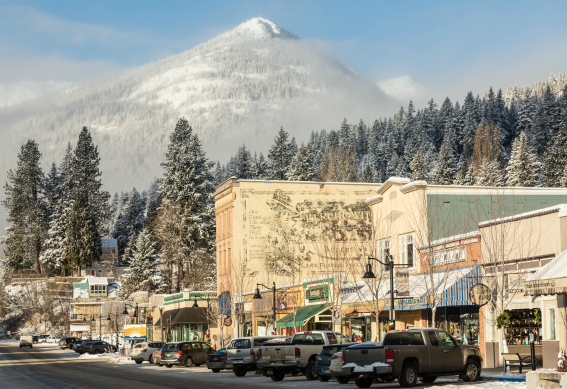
(195,305)
(258,296)
(93,320)
(45,328)
(390,264)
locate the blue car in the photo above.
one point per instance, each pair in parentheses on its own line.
(323,361)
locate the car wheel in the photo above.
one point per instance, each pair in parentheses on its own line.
(343,380)
(278,375)
(97,351)
(363,382)
(429,379)
(31,346)
(168,366)
(310,372)
(324,378)
(408,378)
(472,371)
(138,362)
(70,347)
(159,364)
(216,370)
(189,362)
(151,359)
(240,371)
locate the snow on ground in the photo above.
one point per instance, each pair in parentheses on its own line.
(485,385)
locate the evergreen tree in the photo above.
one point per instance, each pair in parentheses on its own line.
(361,139)
(154,202)
(523,166)
(53,189)
(130,221)
(489,174)
(345,136)
(27,210)
(145,272)
(244,163)
(82,245)
(52,256)
(260,168)
(461,178)
(279,156)
(554,161)
(417,168)
(444,170)
(301,167)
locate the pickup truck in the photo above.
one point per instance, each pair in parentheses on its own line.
(275,361)
(409,354)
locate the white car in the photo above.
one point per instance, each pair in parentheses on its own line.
(144,351)
(52,339)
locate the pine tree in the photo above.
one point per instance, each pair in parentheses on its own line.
(53,189)
(154,202)
(461,178)
(52,256)
(260,168)
(145,272)
(444,170)
(554,161)
(489,174)
(417,168)
(301,167)
(279,156)
(244,163)
(523,167)
(27,210)
(130,221)
(82,239)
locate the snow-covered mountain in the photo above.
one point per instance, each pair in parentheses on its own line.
(240,86)
(403,88)
(18,92)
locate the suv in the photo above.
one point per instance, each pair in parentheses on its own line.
(79,348)
(67,342)
(26,341)
(98,347)
(144,351)
(241,353)
(185,354)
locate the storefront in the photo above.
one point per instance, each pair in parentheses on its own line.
(316,317)
(357,326)
(463,322)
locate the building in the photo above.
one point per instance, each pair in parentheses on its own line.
(277,232)
(106,266)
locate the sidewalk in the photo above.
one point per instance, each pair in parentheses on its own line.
(497,374)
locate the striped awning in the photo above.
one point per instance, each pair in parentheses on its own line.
(451,288)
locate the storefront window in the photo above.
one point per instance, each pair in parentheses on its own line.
(469,329)
(523,322)
(552,324)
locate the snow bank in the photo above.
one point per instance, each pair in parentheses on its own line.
(485,385)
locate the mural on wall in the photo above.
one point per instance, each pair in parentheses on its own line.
(287,233)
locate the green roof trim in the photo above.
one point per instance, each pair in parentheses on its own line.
(302,315)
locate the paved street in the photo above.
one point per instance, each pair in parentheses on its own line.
(46,366)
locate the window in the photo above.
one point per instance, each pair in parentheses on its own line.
(240,343)
(446,340)
(406,250)
(308,339)
(332,339)
(187,347)
(444,257)
(433,338)
(98,289)
(259,341)
(413,338)
(205,346)
(384,252)
(341,338)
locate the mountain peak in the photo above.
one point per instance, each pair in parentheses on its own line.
(259,28)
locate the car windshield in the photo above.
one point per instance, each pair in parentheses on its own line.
(330,350)
(222,351)
(308,338)
(404,338)
(171,347)
(239,343)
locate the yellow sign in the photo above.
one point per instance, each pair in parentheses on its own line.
(134,331)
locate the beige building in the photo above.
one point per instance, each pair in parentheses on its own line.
(279,231)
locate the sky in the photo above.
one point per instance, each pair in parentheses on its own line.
(448,46)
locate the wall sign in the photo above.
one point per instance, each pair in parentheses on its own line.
(480,294)
(228,321)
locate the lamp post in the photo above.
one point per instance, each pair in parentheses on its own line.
(45,327)
(258,296)
(390,264)
(93,320)
(108,319)
(135,312)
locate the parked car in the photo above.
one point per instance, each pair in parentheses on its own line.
(217,361)
(67,342)
(144,351)
(157,356)
(185,354)
(336,369)
(408,354)
(51,339)
(80,347)
(41,338)
(323,360)
(275,361)
(26,341)
(98,347)
(35,339)
(77,343)
(241,353)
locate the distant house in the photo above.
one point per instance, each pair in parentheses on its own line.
(108,261)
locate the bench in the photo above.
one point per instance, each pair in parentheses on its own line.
(514,359)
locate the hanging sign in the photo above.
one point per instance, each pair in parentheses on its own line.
(480,294)
(228,321)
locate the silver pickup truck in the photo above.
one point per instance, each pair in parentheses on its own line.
(299,356)
(409,354)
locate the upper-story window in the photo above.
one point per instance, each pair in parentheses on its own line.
(383,251)
(407,249)
(98,289)
(458,254)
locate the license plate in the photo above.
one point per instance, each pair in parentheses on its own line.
(277,363)
(214,359)
(325,371)
(238,362)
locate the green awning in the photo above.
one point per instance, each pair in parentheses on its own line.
(302,315)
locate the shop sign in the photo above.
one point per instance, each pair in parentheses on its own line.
(281,300)
(402,283)
(228,321)
(548,286)
(316,294)
(134,332)
(480,294)
(413,303)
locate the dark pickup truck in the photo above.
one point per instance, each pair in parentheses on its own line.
(409,354)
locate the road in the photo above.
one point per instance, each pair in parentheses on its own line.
(46,366)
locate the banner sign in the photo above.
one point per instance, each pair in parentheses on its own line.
(402,283)
(135,332)
(545,287)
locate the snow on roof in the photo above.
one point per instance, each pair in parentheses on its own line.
(96,280)
(561,208)
(109,243)
(450,239)
(390,181)
(556,268)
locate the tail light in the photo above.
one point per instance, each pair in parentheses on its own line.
(259,353)
(224,357)
(297,352)
(179,353)
(144,350)
(252,354)
(343,357)
(389,356)
(209,358)
(334,357)
(160,353)
(318,358)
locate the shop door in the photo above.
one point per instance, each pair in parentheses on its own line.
(436,353)
(452,357)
